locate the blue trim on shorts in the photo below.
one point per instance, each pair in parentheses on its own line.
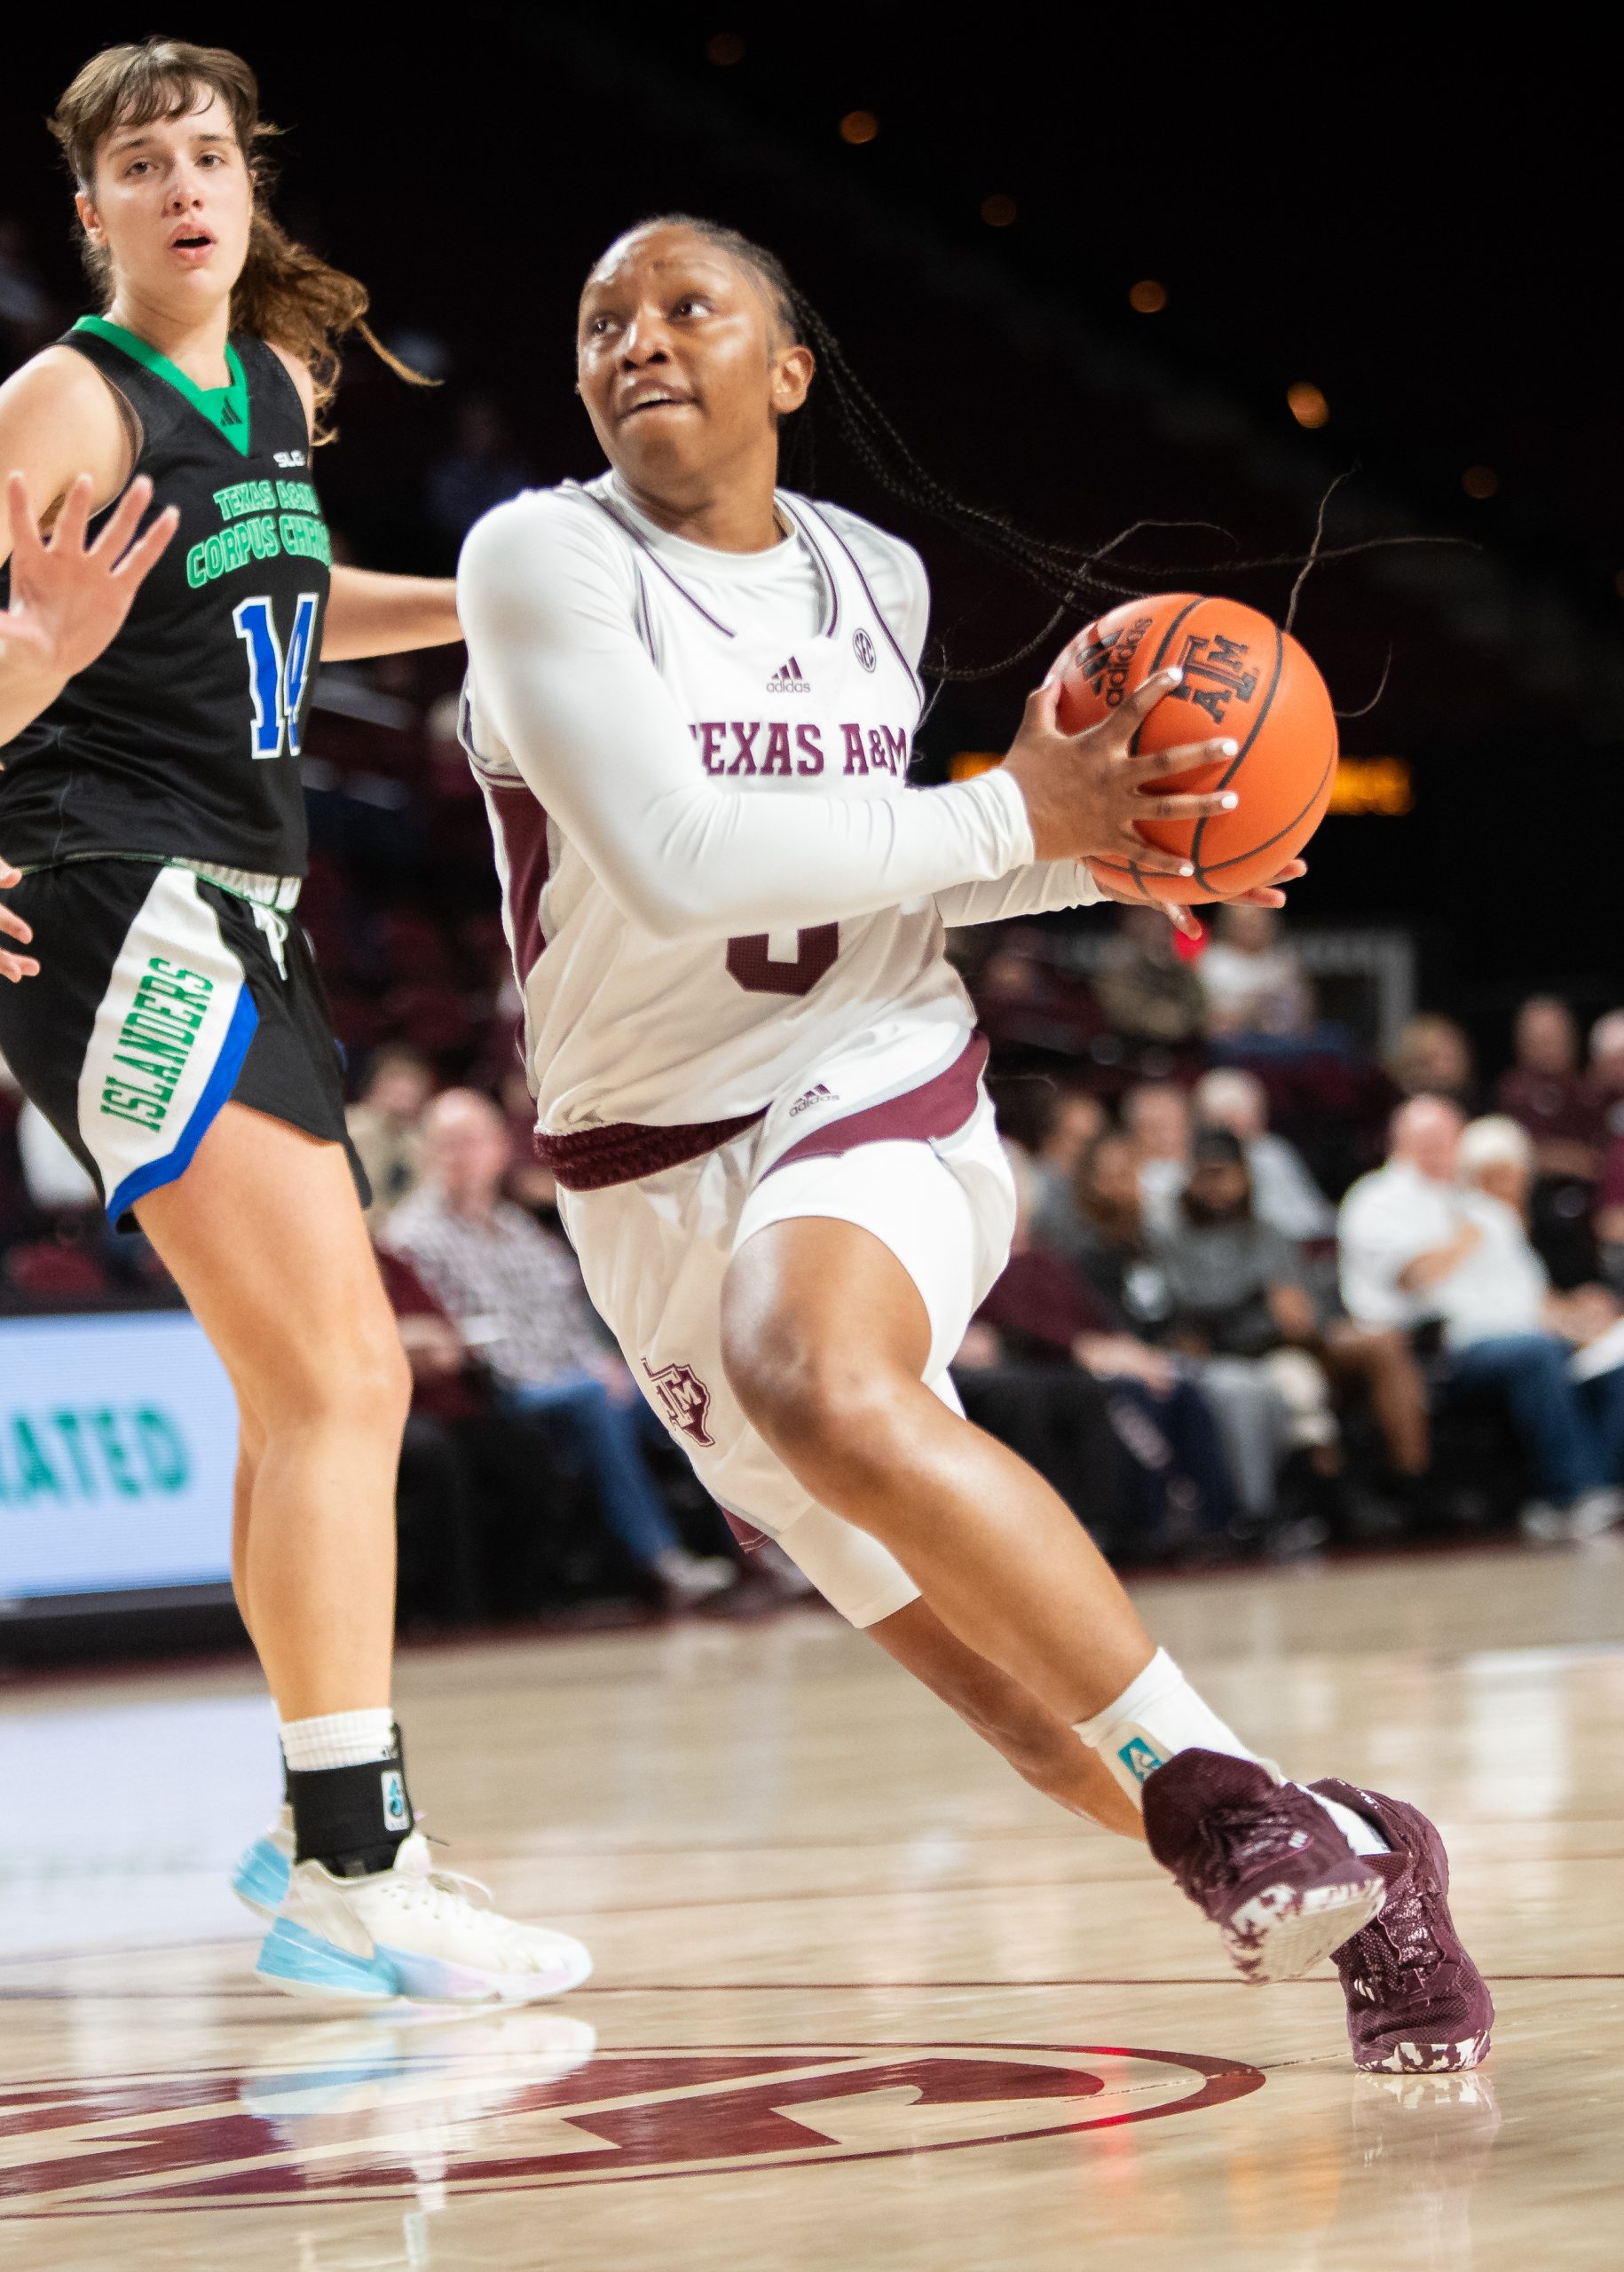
(221,1082)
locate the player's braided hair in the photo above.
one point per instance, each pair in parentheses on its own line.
(1071,576)
(286,294)
(1074,577)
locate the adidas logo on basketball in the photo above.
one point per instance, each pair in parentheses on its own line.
(787,680)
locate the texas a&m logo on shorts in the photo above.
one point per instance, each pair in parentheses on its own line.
(684,1398)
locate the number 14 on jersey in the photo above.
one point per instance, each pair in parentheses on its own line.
(276,684)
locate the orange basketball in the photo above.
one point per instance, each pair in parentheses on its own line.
(1243,678)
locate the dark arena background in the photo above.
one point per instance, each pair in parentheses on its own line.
(1303,308)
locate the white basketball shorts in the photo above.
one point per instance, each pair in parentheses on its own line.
(654,1254)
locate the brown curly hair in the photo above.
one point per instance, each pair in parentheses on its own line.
(287,295)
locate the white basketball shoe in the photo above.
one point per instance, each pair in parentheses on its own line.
(410,1930)
(260,1879)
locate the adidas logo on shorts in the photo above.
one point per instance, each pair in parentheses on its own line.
(787,680)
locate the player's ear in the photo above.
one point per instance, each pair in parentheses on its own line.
(90,220)
(792,376)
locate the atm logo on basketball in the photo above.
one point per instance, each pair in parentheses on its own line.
(365,2117)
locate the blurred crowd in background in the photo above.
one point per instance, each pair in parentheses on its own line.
(1277,1288)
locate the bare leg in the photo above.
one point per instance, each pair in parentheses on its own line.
(1039,1746)
(825,1338)
(265,1239)
(250,1451)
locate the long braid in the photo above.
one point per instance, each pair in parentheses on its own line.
(1069,575)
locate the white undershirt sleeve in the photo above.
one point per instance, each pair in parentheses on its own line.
(1033,890)
(562,676)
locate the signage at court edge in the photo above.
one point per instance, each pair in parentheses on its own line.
(118,1436)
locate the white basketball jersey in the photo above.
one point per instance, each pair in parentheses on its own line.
(624,1026)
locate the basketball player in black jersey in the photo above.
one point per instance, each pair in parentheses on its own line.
(166,1015)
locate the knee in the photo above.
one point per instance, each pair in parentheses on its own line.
(366,1383)
(803,1392)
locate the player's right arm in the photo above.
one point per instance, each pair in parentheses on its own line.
(560,673)
(63,453)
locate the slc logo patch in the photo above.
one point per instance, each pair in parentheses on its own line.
(396,1814)
(1140,1760)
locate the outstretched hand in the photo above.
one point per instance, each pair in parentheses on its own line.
(1185,919)
(69,599)
(12,926)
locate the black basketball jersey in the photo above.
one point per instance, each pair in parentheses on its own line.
(182,741)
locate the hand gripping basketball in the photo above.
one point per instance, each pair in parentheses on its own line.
(1087,793)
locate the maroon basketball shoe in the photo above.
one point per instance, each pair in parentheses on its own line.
(1417,2005)
(1262,1858)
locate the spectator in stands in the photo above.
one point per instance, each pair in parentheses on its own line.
(1418,1245)
(386,1127)
(516,1296)
(1605,1082)
(1108,1237)
(27,321)
(1547,1094)
(1046,1330)
(1074,1119)
(1433,1058)
(1156,1115)
(1252,980)
(1236,1291)
(1284,1193)
(1026,1001)
(481,468)
(1147,990)
(1604,1078)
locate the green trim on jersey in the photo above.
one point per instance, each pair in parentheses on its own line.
(226,407)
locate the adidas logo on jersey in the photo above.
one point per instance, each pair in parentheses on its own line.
(819,1094)
(787,680)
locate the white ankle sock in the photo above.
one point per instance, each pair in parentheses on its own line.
(1157,1715)
(339,1739)
(1160,1714)
(1361,1832)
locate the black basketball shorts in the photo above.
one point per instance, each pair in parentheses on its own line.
(160,998)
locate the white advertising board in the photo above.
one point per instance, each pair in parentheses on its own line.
(118,1437)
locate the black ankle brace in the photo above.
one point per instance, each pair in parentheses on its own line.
(353,1819)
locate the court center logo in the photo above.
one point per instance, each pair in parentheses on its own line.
(684,1400)
(523,2101)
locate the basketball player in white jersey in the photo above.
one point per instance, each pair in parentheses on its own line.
(690,703)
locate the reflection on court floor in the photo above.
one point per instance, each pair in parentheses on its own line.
(863,1999)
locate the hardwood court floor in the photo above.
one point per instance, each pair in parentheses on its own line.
(862,2001)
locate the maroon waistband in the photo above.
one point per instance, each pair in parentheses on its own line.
(591,1159)
(936,1107)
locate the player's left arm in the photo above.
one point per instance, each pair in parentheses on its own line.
(371,614)
(368,611)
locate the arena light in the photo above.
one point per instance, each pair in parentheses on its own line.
(1147,298)
(1479,481)
(859,126)
(1307,405)
(1373,786)
(725,47)
(998,211)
